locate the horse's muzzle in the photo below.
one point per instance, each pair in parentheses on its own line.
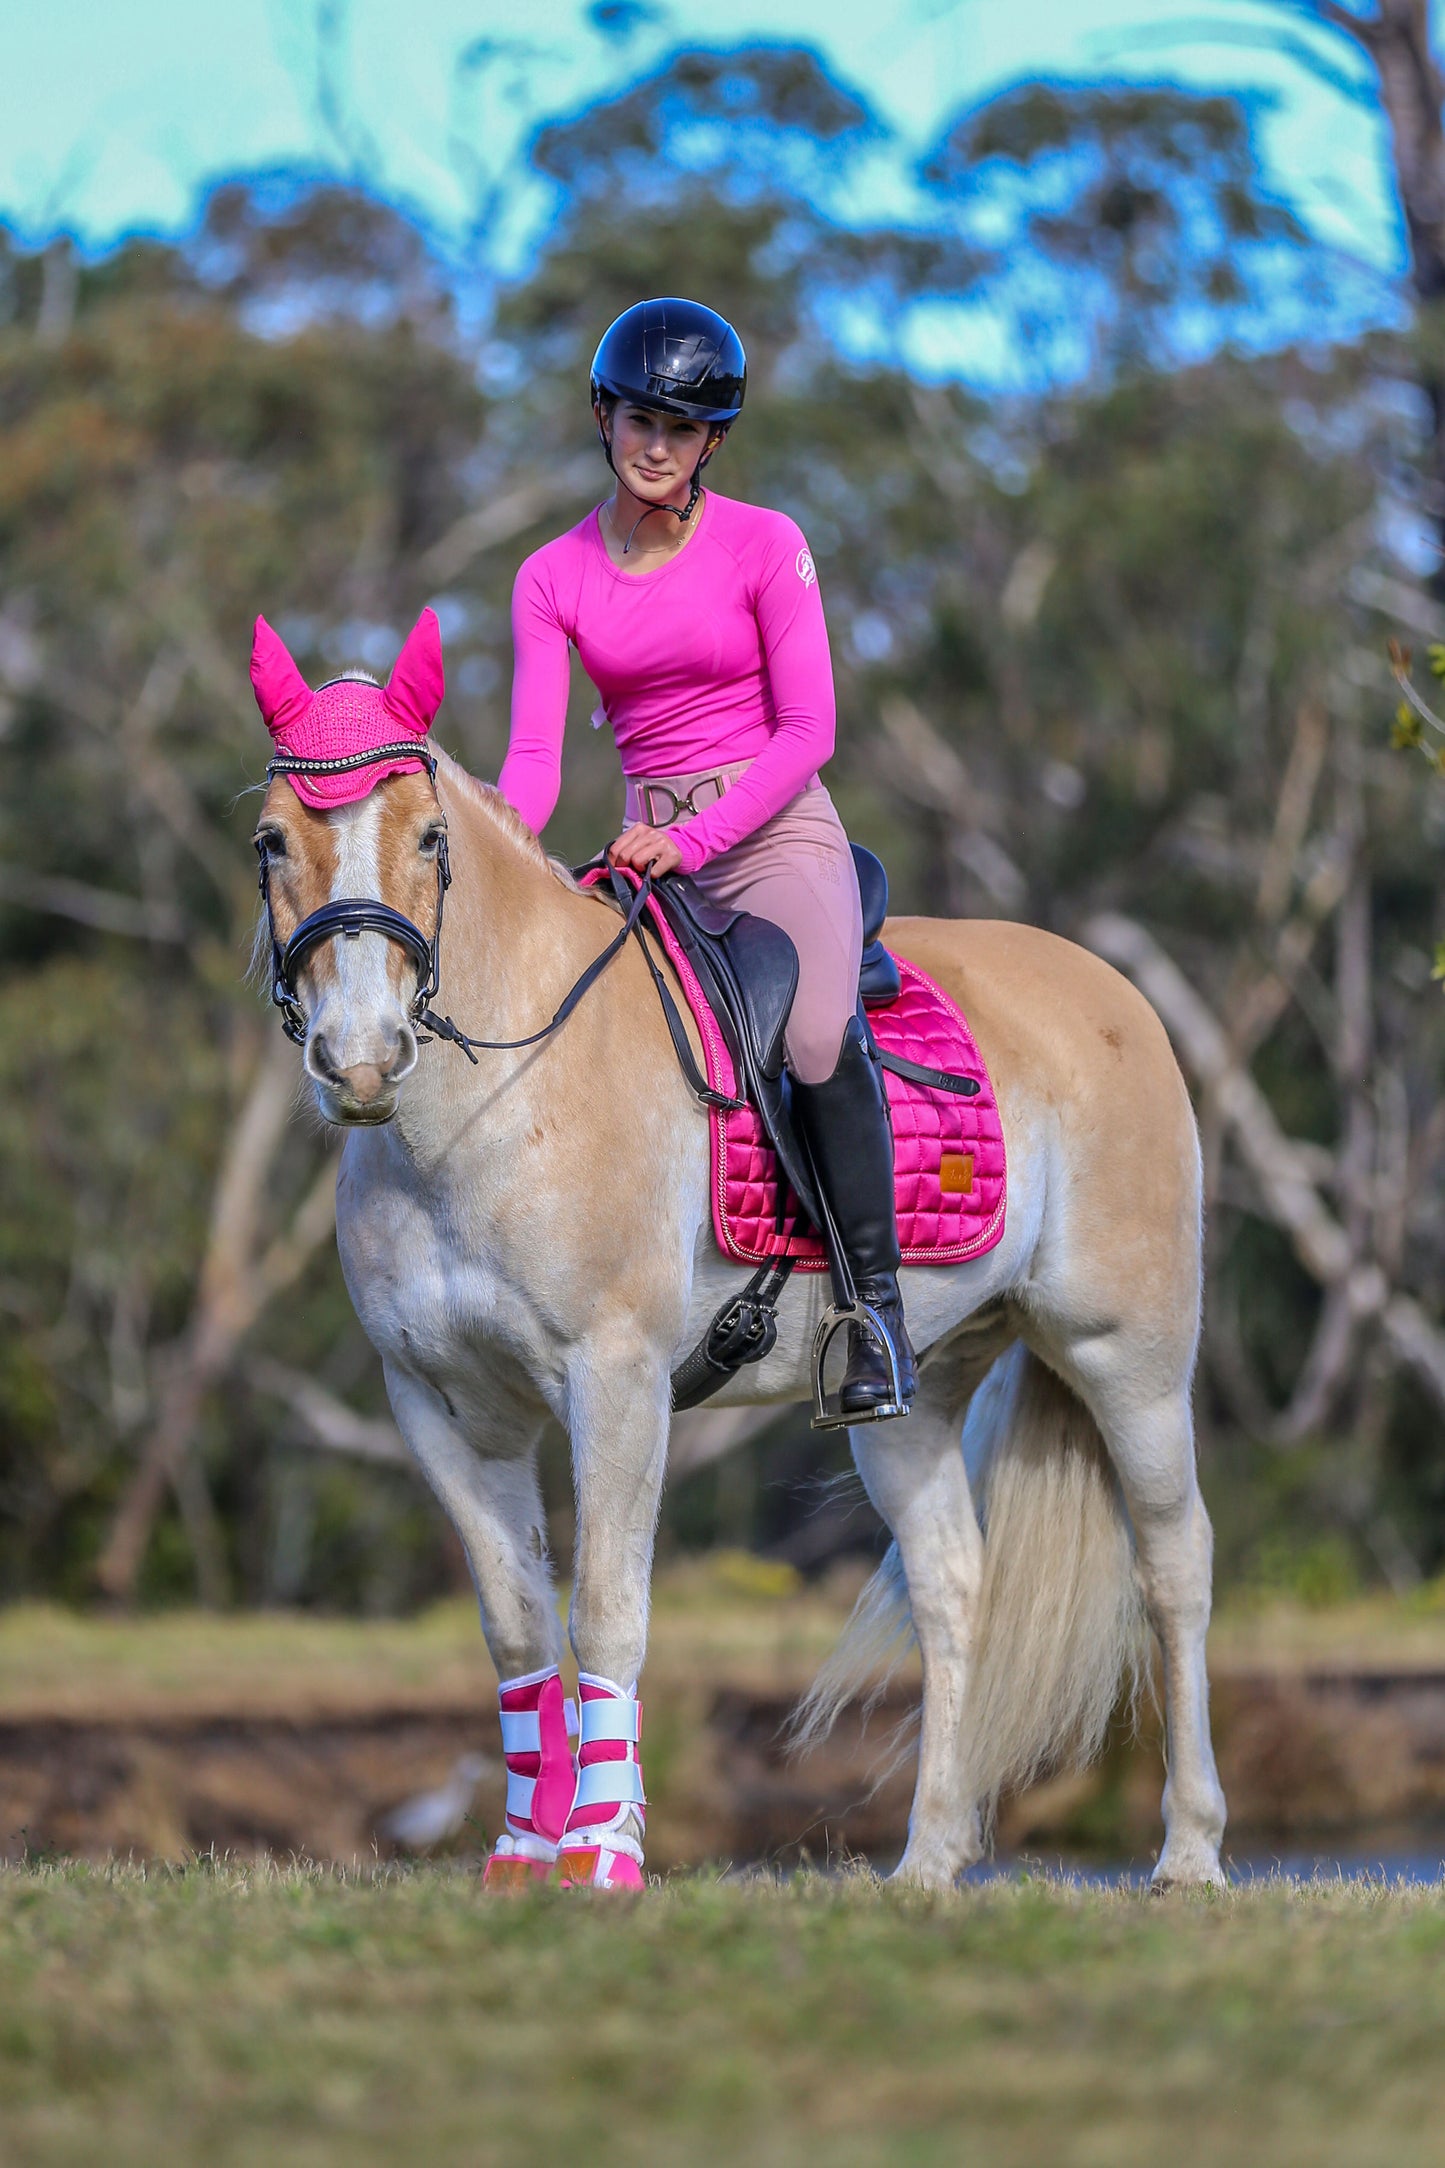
(363,1093)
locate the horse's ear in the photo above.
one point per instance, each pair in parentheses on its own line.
(415,688)
(282,694)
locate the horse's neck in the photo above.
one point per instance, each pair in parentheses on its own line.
(514,938)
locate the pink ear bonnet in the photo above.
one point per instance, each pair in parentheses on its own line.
(347,719)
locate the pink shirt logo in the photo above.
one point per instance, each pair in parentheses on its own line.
(807,570)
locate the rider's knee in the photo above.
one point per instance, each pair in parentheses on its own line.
(814,1044)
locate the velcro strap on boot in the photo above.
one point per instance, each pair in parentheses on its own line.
(610,1784)
(520,1792)
(613,1721)
(541,1766)
(521,1731)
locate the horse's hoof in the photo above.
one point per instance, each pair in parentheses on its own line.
(926,1874)
(597,1866)
(507,1874)
(1182,1869)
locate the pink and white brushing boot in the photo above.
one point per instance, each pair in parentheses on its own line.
(601,1847)
(538,1724)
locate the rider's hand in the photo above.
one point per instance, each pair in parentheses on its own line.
(641,847)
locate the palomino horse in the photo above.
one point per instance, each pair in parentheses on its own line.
(530,1238)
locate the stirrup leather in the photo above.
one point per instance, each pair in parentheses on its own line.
(827,1408)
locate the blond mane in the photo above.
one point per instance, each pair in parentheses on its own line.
(488,800)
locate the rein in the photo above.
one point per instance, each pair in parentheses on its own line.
(348,916)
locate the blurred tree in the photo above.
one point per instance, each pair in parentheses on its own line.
(1392,64)
(165,469)
(1105,657)
(1131,225)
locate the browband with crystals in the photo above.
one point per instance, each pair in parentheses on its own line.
(293,764)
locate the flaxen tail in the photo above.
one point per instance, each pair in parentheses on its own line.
(1059,1630)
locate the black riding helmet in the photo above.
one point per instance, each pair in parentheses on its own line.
(676,356)
(679,358)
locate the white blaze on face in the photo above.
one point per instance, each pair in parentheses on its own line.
(357,1012)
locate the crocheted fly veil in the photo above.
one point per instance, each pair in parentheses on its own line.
(349,718)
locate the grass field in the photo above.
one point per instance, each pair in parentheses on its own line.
(237,2016)
(248,2017)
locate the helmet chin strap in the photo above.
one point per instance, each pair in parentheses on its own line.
(694,492)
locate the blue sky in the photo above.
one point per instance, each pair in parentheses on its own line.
(114,114)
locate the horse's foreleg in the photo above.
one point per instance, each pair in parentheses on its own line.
(915,1476)
(486,1484)
(484,1476)
(620,1417)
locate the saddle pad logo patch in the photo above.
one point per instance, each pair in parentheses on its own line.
(955,1174)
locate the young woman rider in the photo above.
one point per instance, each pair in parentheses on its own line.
(699,620)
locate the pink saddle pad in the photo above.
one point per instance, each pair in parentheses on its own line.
(949,1165)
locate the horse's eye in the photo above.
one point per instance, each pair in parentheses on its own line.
(431,841)
(271,843)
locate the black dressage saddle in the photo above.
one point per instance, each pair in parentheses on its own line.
(748,968)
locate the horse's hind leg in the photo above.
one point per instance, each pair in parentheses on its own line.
(914,1473)
(1153,1454)
(1150,1441)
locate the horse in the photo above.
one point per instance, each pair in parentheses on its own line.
(526,1237)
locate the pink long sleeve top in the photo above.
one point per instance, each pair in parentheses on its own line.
(719,656)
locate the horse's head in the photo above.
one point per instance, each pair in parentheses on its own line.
(352,843)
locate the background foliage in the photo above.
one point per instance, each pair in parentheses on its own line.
(1109,654)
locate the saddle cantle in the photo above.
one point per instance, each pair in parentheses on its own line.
(879,981)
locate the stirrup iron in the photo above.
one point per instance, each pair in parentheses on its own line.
(827,1408)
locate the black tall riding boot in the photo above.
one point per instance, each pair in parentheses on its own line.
(851,1139)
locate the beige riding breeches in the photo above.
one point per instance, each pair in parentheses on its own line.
(798,871)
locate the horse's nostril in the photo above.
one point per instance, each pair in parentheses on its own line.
(319,1055)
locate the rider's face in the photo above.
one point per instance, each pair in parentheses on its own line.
(655,454)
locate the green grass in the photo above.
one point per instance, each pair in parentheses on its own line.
(232,2017)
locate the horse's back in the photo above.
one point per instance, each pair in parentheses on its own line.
(1031,997)
(1080,1062)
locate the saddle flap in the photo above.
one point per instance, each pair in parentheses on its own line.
(751,961)
(713,919)
(766,963)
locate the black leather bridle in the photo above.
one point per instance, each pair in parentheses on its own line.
(347,916)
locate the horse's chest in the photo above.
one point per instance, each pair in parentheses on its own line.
(431,1293)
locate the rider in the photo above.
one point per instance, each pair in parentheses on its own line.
(699,620)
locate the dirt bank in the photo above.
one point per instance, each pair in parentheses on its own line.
(1322,1754)
(158,1738)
